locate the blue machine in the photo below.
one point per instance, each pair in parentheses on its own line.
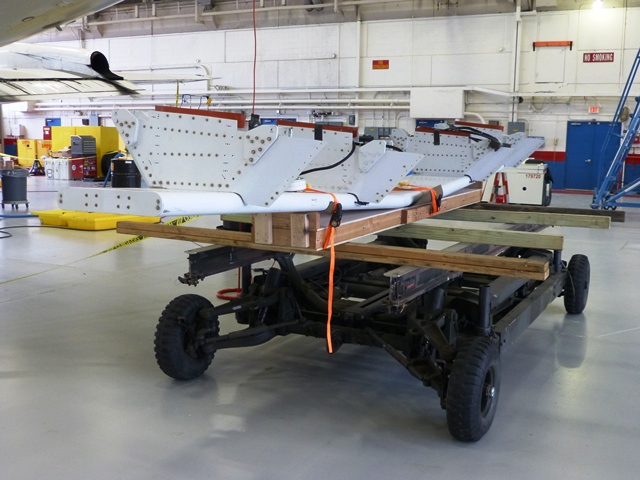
(605,197)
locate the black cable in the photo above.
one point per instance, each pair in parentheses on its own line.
(358,201)
(493,141)
(329,167)
(393,147)
(9,235)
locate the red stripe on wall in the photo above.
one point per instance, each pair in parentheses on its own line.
(633,159)
(549,156)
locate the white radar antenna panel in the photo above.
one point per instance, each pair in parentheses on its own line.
(198,152)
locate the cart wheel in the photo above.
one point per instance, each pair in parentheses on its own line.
(179,334)
(474,385)
(576,285)
(546,194)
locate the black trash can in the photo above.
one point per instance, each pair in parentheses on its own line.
(125,174)
(14,187)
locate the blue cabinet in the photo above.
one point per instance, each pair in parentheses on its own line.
(585,164)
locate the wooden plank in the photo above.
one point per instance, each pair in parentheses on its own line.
(464,262)
(366,226)
(263,228)
(190,234)
(299,230)
(410,215)
(478,235)
(616,216)
(529,218)
(484,264)
(461,199)
(358,224)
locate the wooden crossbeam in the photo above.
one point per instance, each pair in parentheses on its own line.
(616,216)
(529,218)
(477,235)
(484,264)
(301,229)
(462,262)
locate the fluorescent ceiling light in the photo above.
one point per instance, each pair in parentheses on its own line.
(597,4)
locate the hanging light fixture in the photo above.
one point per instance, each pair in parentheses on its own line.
(597,4)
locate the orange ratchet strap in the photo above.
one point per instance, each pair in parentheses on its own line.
(435,207)
(329,241)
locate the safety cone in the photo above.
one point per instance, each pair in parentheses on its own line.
(500,192)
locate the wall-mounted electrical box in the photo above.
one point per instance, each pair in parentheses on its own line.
(436,103)
(377,132)
(515,127)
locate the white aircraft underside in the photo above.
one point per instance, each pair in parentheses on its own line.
(22,18)
(37,72)
(196,163)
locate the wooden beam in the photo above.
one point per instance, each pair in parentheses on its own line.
(616,216)
(299,230)
(529,218)
(484,264)
(190,234)
(462,262)
(263,228)
(477,235)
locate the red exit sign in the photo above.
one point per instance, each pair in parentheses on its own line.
(602,57)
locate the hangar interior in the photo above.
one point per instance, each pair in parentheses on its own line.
(81,394)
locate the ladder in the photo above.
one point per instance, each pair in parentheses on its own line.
(604,197)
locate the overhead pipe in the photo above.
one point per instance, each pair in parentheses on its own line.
(286,91)
(474,114)
(274,102)
(348,3)
(517,41)
(247,106)
(318,101)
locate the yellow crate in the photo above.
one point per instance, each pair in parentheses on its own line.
(87,221)
(103,221)
(54,218)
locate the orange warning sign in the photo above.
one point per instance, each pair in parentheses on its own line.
(380,64)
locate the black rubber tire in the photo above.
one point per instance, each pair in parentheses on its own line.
(546,194)
(576,285)
(175,353)
(473,389)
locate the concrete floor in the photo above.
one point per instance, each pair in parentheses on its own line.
(81,396)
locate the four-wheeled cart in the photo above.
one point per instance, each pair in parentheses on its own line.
(447,328)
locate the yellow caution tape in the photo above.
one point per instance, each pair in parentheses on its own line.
(18,158)
(131,241)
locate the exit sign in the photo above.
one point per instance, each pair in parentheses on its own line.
(594,109)
(600,57)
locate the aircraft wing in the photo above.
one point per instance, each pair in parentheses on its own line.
(22,18)
(28,84)
(32,72)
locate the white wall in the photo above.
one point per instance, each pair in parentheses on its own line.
(447,51)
